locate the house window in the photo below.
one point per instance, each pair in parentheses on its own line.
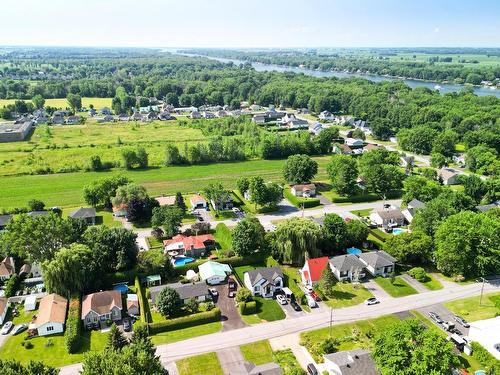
(257,288)
(50,328)
(344,274)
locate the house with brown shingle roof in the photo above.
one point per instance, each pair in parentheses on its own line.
(51,315)
(101,306)
(7,268)
(4,306)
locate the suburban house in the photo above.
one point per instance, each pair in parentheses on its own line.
(448,175)
(208,115)
(195,115)
(350,362)
(164,116)
(264,281)
(342,149)
(105,111)
(297,124)
(213,272)
(73,120)
(198,291)
(101,306)
(378,263)
(51,315)
(136,116)
(388,219)
(224,203)
(411,209)
(123,117)
(4,306)
(259,118)
(85,213)
(371,146)
(193,246)
(7,268)
(107,118)
(326,116)
(92,112)
(197,201)
(316,128)
(344,267)
(312,270)
(354,142)
(303,190)
(133,304)
(57,117)
(485,332)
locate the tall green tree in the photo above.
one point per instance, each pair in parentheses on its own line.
(74,101)
(38,101)
(328,280)
(299,169)
(334,232)
(343,172)
(421,188)
(414,248)
(116,340)
(13,367)
(248,237)
(168,302)
(296,239)
(357,233)
(168,218)
(100,192)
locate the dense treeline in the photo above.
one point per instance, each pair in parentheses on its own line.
(457,72)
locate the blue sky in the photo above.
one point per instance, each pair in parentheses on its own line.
(251,23)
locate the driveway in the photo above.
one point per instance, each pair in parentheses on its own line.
(414,283)
(376,290)
(290,312)
(232,361)
(445,314)
(231,318)
(323,200)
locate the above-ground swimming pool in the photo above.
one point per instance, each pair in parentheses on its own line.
(398,231)
(353,250)
(122,288)
(182,261)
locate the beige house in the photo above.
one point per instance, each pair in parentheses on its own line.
(303,190)
(449,176)
(101,306)
(51,315)
(7,268)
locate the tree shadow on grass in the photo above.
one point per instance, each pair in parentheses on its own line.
(342,295)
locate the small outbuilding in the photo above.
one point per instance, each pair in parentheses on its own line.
(30,303)
(213,272)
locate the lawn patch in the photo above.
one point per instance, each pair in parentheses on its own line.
(223,236)
(471,310)
(362,213)
(432,284)
(186,333)
(399,288)
(207,364)
(287,361)
(258,353)
(345,294)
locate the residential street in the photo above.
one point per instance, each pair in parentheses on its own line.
(223,340)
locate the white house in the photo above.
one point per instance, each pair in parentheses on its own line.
(354,142)
(378,263)
(51,315)
(312,270)
(30,303)
(197,201)
(101,306)
(4,306)
(344,267)
(303,190)
(487,333)
(386,219)
(213,272)
(326,116)
(264,281)
(449,176)
(413,206)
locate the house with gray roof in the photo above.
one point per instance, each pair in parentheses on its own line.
(86,213)
(344,267)
(198,290)
(378,263)
(482,208)
(388,218)
(270,368)
(350,362)
(413,206)
(264,281)
(13,132)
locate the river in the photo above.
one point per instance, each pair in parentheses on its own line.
(413,83)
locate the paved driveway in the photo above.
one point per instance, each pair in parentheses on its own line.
(414,283)
(445,314)
(232,361)
(290,312)
(376,290)
(231,318)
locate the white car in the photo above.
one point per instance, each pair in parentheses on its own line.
(281,299)
(371,301)
(6,328)
(309,288)
(214,291)
(310,301)
(236,210)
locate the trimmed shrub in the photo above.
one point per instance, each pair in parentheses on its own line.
(298,201)
(248,308)
(141,298)
(185,321)
(73,334)
(418,273)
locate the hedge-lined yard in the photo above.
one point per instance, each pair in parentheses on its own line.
(299,201)
(185,321)
(206,364)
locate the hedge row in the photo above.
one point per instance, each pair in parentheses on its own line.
(298,201)
(141,298)
(73,334)
(213,315)
(485,358)
(248,308)
(370,197)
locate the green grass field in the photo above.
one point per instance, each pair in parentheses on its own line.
(258,353)
(63,103)
(424,57)
(471,310)
(206,364)
(223,236)
(65,190)
(345,294)
(432,284)
(400,288)
(186,333)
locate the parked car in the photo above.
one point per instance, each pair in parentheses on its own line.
(311,369)
(281,299)
(200,218)
(214,292)
(231,293)
(295,306)
(127,326)
(310,301)
(236,210)
(435,317)
(461,320)
(19,328)
(456,331)
(448,326)
(371,301)
(6,328)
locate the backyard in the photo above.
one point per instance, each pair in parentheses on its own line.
(206,364)
(398,288)
(471,309)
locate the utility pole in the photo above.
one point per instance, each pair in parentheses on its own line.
(482,288)
(331,321)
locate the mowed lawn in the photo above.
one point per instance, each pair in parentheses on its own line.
(63,103)
(399,288)
(50,349)
(258,353)
(471,309)
(185,333)
(65,190)
(345,294)
(204,364)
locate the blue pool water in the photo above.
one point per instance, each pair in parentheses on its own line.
(353,250)
(182,261)
(122,288)
(397,231)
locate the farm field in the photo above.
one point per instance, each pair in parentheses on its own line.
(69,147)
(63,103)
(65,190)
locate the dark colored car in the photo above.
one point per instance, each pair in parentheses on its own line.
(435,317)
(295,305)
(127,326)
(311,369)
